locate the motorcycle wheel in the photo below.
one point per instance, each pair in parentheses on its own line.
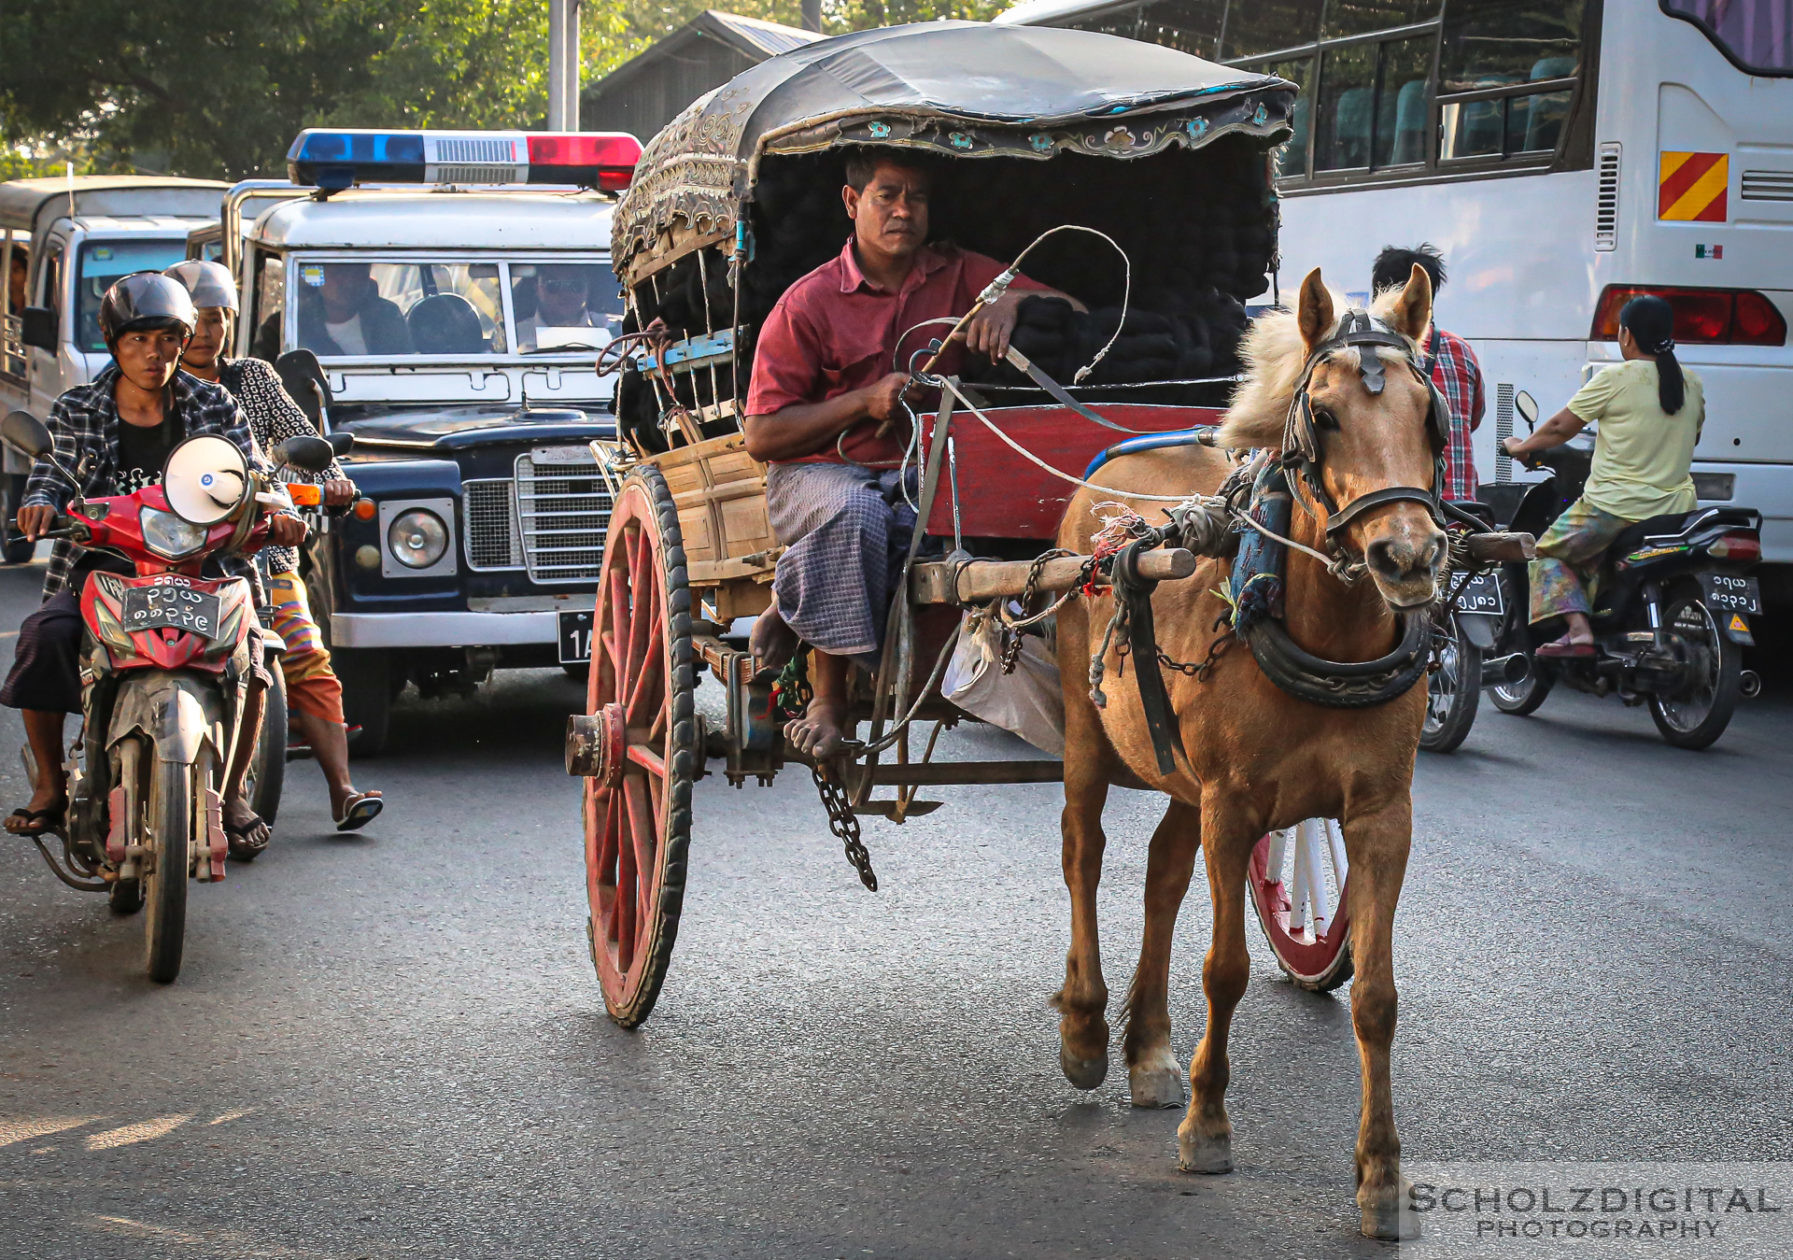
(1453,692)
(1698,715)
(267,769)
(1526,695)
(165,886)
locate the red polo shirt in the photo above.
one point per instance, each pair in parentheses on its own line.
(835,331)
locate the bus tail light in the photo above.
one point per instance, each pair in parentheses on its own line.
(1710,317)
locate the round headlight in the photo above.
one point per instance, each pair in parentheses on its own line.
(417,539)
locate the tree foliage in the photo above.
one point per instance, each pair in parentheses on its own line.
(219,87)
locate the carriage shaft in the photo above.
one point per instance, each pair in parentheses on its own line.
(978,581)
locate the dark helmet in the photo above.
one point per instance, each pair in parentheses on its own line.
(143,300)
(209,283)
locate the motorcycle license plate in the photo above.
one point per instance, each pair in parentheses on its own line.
(1481,594)
(1731,592)
(575,638)
(171,606)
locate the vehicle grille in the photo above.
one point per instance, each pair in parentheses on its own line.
(493,540)
(1606,212)
(1768,185)
(563,513)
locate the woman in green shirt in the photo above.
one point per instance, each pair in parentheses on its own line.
(1649,411)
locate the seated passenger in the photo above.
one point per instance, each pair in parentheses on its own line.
(1650,412)
(347,315)
(824,411)
(562,291)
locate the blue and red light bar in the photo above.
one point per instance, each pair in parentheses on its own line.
(337,158)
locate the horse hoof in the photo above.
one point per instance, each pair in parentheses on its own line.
(1083,1073)
(1157,1085)
(1204,1155)
(1384,1219)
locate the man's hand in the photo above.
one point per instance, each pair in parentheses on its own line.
(337,493)
(35,520)
(990,329)
(285,530)
(883,395)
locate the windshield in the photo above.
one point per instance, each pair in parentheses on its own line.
(354,309)
(103,262)
(1755,34)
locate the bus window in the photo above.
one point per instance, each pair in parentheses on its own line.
(1292,158)
(1401,102)
(1264,26)
(1364,17)
(1506,44)
(1753,36)
(1191,26)
(1346,108)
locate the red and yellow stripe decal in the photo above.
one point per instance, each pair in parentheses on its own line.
(1692,186)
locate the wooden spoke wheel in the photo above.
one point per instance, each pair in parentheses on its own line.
(638,803)
(1296,883)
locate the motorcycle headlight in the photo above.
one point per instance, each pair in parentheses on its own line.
(168,535)
(417,539)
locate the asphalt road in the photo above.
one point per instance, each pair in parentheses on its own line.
(393,1045)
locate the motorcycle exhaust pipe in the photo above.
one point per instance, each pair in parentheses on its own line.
(1749,684)
(1505,670)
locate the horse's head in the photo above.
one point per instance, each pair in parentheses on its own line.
(1341,393)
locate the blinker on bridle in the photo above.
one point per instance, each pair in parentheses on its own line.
(1359,331)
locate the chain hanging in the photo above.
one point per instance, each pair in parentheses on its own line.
(844,823)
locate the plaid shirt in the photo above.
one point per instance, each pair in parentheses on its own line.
(84,422)
(1458,376)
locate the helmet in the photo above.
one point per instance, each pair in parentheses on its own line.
(146,299)
(208,282)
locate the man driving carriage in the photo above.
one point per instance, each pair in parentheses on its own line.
(827,413)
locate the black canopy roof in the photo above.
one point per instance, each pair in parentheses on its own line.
(964,88)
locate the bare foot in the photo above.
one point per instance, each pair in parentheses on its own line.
(40,813)
(244,829)
(773,643)
(820,731)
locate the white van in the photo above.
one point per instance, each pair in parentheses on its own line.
(77,236)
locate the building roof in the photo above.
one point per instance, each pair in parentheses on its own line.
(424,219)
(751,37)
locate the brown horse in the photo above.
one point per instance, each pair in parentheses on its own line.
(1257,758)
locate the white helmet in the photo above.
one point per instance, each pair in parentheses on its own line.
(208,282)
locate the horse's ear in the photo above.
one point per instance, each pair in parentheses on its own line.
(1412,313)
(1313,310)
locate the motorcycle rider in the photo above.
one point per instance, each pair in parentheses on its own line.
(115,435)
(1650,411)
(312,686)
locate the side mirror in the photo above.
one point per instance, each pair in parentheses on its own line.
(304,379)
(310,454)
(1527,407)
(37,328)
(341,441)
(26,434)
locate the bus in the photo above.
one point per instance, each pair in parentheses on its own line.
(1564,155)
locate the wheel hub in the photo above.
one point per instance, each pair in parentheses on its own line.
(598,745)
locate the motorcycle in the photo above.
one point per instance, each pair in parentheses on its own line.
(1671,604)
(1465,631)
(165,668)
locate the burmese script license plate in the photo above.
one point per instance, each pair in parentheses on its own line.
(171,606)
(1481,594)
(575,638)
(1732,592)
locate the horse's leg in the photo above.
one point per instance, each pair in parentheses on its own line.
(1154,1075)
(1377,846)
(1083,1002)
(1205,1138)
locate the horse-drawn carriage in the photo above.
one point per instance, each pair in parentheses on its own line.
(1162,163)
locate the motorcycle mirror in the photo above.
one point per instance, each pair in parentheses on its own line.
(304,379)
(341,441)
(311,454)
(26,434)
(1527,407)
(206,479)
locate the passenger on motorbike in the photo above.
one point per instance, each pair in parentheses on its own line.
(115,435)
(311,684)
(1650,412)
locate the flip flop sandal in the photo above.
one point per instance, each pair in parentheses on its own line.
(358,811)
(52,820)
(1563,649)
(248,840)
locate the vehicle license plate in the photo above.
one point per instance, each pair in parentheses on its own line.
(575,638)
(1481,594)
(1732,592)
(173,606)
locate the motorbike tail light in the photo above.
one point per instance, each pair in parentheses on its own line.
(1736,547)
(1711,317)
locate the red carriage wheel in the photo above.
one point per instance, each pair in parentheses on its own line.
(638,801)
(1296,883)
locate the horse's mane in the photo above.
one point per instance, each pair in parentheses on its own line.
(1274,354)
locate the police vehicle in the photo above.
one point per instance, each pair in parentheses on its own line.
(455,288)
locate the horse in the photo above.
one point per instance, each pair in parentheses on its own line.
(1256,758)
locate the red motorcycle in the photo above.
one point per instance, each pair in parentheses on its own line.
(165,667)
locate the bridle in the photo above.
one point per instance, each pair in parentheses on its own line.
(1363,332)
